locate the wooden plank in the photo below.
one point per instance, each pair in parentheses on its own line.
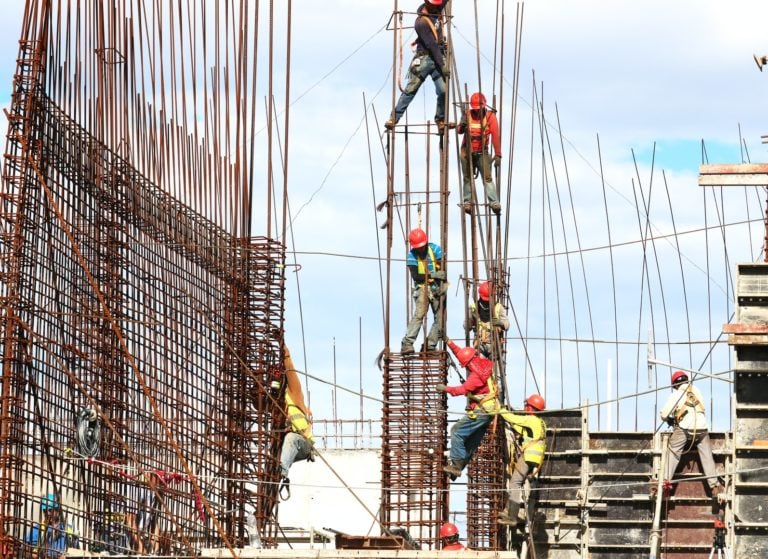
(745,328)
(746,339)
(748,174)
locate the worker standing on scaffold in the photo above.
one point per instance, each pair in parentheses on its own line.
(425,264)
(479,125)
(429,60)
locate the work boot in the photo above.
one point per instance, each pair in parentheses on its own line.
(496,207)
(406,349)
(454,468)
(390,124)
(513,515)
(467,207)
(718,492)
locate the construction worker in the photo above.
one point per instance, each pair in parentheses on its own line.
(484,324)
(449,537)
(429,60)
(482,405)
(299,441)
(478,125)
(684,412)
(52,537)
(425,262)
(529,444)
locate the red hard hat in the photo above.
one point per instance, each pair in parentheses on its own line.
(536,402)
(477,101)
(465,355)
(447,530)
(484,291)
(435,2)
(417,238)
(677,375)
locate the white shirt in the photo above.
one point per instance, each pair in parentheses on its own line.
(692,420)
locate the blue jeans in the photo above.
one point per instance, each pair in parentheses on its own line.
(421,67)
(480,162)
(467,434)
(295,449)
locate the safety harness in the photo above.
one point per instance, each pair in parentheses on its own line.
(691,403)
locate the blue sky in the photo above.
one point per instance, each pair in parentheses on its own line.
(632,74)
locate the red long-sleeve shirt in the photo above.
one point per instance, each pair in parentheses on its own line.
(479,369)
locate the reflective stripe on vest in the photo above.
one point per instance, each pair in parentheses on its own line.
(421,267)
(478,132)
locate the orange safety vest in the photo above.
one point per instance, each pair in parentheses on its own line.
(479,132)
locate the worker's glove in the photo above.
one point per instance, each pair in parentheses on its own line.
(497,161)
(440,387)
(440,275)
(670,421)
(497,322)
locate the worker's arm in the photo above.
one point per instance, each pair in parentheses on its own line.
(493,125)
(502,320)
(473,383)
(670,405)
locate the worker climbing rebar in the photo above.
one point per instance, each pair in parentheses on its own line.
(485,324)
(479,125)
(425,263)
(430,60)
(529,444)
(480,389)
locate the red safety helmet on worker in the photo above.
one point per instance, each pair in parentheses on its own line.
(449,534)
(417,238)
(679,377)
(534,402)
(484,291)
(435,2)
(477,101)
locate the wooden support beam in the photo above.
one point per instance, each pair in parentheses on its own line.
(747,174)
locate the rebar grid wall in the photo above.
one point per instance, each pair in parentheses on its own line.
(127,312)
(486,471)
(414,487)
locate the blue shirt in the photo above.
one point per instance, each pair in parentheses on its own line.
(433,255)
(56,540)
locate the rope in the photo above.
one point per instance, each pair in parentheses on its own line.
(88,432)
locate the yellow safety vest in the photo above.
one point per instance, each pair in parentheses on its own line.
(421,267)
(533,431)
(484,328)
(299,423)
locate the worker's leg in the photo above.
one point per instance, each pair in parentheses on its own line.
(704,448)
(420,304)
(292,446)
(437,78)
(466,173)
(466,435)
(516,482)
(417,76)
(677,442)
(437,302)
(485,167)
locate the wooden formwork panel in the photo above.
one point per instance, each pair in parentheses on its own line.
(620,533)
